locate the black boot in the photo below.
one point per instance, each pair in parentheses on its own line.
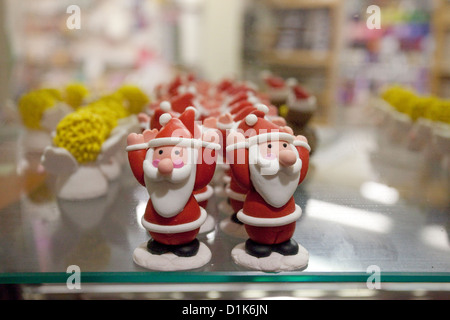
(287,248)
(257,250)
(235,219)
(158,248)
(187,250)
(181,250)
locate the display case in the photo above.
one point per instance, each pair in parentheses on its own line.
(375,211)
(355,223)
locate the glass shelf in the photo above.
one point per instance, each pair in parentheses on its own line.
(357,213)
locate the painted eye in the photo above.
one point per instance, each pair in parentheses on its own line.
(160,152)
(285,145)
(177,152)
(269,146)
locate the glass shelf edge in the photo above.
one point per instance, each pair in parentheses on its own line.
(217,277)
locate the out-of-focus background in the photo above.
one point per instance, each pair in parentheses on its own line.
(326,45)
(380,73)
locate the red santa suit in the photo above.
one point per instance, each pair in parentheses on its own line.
(235,192)
(182,227)
(265,223)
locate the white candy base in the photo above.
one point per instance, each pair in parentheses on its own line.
(208,225)
(273,263)
(169,261)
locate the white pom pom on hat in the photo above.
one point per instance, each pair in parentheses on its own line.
(192,108)
(165,106)
(291,82)
(253,99)
(262,107)
(251,120)
(164,119)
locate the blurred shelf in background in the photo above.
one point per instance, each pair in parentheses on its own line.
(440,81)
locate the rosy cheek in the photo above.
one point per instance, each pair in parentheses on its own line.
(155,163)
(270,156)
(178,163)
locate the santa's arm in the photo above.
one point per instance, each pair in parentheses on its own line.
(207,159)
(137,145)
(205,169)
(137,150)
(237,157)
(303,149)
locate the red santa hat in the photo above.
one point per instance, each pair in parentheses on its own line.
(188,118)
(180,102)
(173,86)
(242,87)
(241,96)
(180,132)
(224,85)
(272,81)
(164,107)
(236,107)
(249,109)
(300,93)
(257,129)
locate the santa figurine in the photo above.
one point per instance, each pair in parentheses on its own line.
(270,162)
(275,87)
(171,164)
(235,194)
(301,105)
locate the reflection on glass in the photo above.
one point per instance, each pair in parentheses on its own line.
(352,217)
(140,211)
(379,192)
(436,236)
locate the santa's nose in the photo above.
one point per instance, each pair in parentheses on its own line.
(165,166)
(287,158)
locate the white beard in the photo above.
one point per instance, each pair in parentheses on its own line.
(170,194)
(275,184)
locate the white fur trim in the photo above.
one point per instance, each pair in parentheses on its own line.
(165,106)
(271,136)
(204,195)
(235,195)
(299,143)
(182,142)
(139,146)
(270,222)
(239,145)
(224,126)
(251,120)
(179,228)
(305,105)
